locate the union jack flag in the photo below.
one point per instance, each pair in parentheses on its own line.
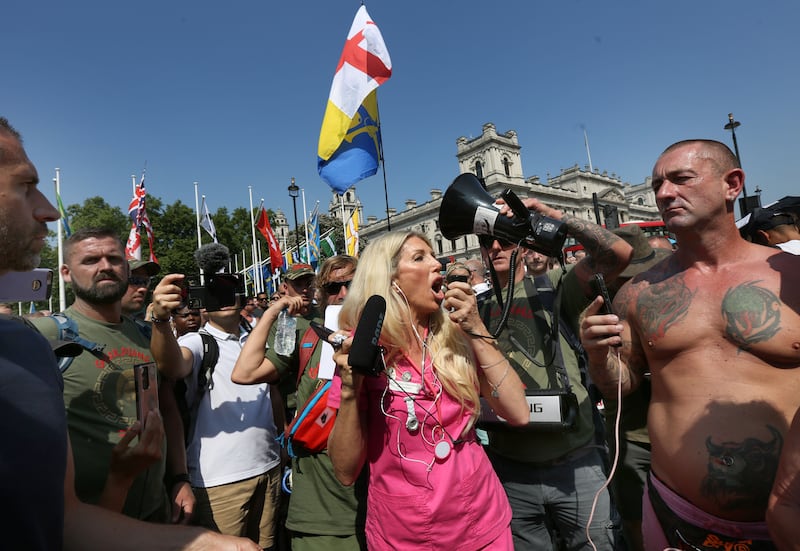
(137,211)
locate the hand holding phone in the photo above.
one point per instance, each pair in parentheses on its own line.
(324,333)
(598,285)
(146,382)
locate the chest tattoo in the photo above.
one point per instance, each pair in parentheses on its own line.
(662,305)
(752,314)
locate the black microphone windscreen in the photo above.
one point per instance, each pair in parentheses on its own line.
(364,352)
(212,258)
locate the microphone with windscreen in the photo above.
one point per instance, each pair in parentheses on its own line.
(365,357)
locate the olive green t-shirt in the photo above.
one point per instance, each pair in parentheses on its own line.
(100,401)
(532,333)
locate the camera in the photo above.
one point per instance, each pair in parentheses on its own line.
(218,291)
(467,208)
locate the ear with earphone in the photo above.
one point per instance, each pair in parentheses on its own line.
(396,287)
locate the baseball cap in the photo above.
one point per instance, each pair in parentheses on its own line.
(296,271)
(151,267)
(766,219)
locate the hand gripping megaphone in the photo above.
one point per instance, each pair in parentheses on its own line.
(467,208)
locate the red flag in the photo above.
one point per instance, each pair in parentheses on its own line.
(275,254)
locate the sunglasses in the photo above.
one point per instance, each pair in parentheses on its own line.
(486,241)
(139,281)
(262,299)
(334,287)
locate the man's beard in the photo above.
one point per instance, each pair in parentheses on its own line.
(109,294)
(13,254)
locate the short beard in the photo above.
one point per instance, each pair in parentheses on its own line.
(93,295)
(12,255)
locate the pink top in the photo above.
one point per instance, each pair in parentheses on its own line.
(415,500)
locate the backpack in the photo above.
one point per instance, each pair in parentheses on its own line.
(204,383)
(313,421)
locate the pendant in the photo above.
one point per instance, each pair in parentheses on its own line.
(406,376)
(442,450)
(495,394)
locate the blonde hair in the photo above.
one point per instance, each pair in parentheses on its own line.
(452,357)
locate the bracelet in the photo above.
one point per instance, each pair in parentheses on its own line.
(178,478)
(500,382)
(498,362)
(478,335)
(154,319)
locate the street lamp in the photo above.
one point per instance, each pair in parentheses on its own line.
(746,205)
(294,193)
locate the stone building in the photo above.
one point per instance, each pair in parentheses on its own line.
(495,159)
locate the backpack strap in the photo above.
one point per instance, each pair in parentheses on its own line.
(68,331)
(205,383)
(307,346)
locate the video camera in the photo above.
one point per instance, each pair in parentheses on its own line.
(220,289)
(467,208)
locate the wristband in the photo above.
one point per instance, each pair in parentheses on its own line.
(154,319)
(176,478)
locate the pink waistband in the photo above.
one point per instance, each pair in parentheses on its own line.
(698,517)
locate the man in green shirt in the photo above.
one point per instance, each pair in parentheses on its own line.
(551,477)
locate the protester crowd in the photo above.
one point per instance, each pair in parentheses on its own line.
(681,395)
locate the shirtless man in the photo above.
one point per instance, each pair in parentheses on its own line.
(717,326)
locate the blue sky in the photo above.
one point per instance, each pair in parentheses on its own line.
(232,94)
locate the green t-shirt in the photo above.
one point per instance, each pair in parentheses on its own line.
(100,401)
(531,332)
(319,504)
(287,365)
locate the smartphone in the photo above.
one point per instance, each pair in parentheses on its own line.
(598,285)
(324,333)
(146,380)
(33,286)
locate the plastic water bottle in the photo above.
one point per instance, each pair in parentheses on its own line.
(285,334)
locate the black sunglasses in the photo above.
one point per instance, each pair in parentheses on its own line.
(486,241)
(139,281)
(334,287)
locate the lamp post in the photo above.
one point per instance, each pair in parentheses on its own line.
(746,205)
(294,193)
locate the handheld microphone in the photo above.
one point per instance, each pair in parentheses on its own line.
(365,357)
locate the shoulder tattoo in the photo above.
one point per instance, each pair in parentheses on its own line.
(752,314)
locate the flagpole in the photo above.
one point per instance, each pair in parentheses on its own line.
(588,154)
(253,239)
(305,225)
(344,222)
(199,235)
(62,292)
(382,161)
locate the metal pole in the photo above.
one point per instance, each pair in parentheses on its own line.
(732,125)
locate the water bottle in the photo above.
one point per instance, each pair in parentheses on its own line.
(285,334)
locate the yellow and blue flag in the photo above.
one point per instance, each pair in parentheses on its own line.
(349,140)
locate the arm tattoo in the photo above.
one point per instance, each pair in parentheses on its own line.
(596,240)
(740,474)
(663,305)
(752,314)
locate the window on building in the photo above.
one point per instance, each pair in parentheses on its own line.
(640,200)
(507,166)
(439,248)
(479,170)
